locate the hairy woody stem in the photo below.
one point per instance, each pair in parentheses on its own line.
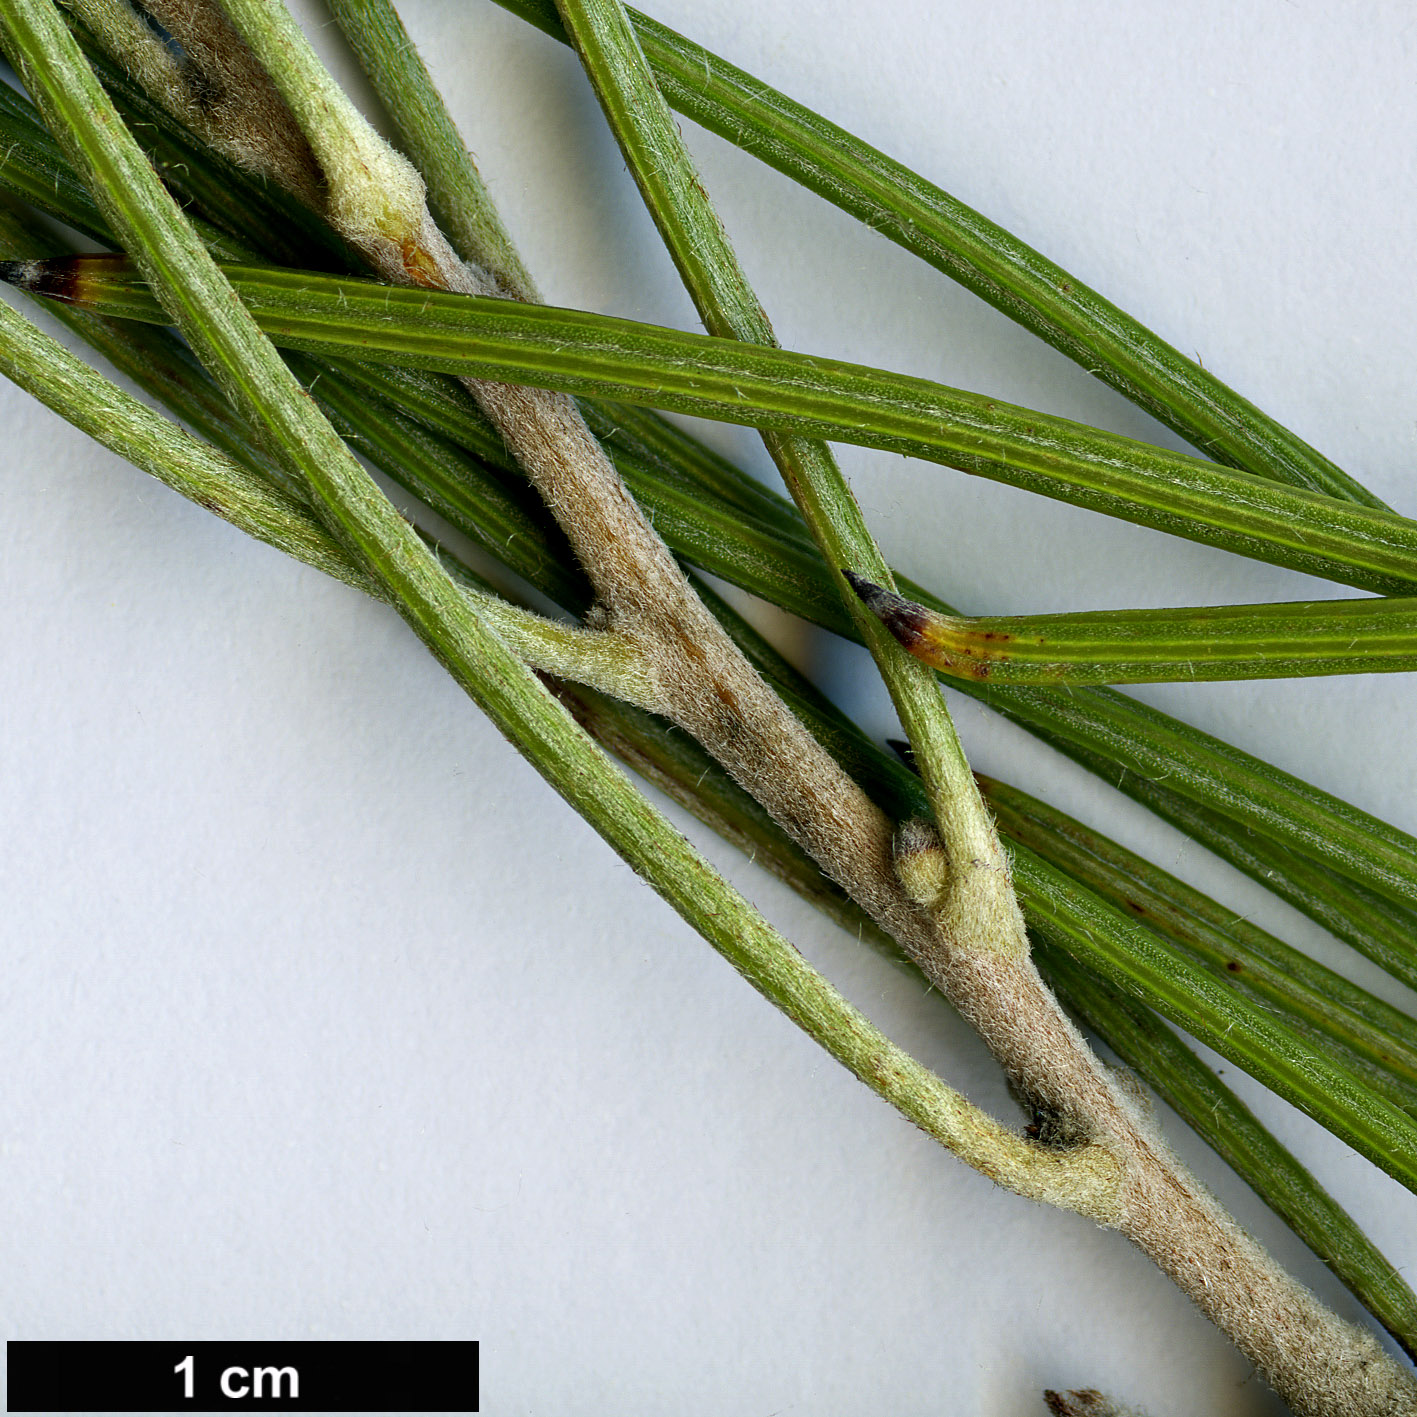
(217,89)
(1318,1363)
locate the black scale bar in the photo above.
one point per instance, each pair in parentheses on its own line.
(251,1377)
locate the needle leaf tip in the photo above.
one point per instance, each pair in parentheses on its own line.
(906,620)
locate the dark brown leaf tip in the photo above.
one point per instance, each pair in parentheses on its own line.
(55,279)
(906,620)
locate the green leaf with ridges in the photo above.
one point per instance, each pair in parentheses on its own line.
(598,355)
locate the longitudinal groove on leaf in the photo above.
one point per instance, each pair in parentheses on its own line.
(582,353)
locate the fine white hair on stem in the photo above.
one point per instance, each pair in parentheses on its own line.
(212,84)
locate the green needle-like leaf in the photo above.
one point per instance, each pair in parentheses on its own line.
(1333,1013)
(583,353)
(1132,735)
(1134,746)
(1147,967)
(983,257)
(1173,971)
(1150,646)
(1374,925)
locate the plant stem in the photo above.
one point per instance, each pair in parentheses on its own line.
(702,680)
(1162,1060)
(215,89)
(1083,896)
(729,308)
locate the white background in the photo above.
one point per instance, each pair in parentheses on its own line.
(324,1018)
